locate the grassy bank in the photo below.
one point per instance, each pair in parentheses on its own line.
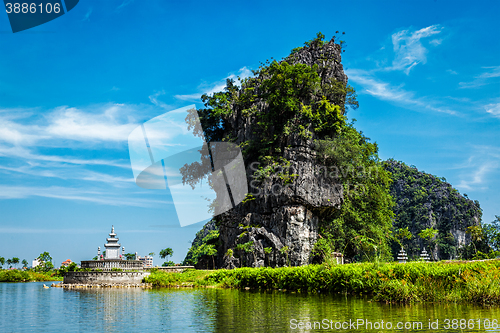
(14,275)
(477,282)
(188,278)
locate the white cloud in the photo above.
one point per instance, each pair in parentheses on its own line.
(493,109)
(73,124)
(209,89)
(154,99)
(65,172)
(408,48)
(385,91)
(63,125)
(477,177)
(64,193)
(483,78)
(23,153)
(451,72)
(480,168)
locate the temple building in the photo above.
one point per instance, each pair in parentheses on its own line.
(112,258)
(112,246)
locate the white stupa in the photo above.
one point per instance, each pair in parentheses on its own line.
(112,246)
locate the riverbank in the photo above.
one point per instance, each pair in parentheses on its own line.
(15,275)
(475,282)
(101,285)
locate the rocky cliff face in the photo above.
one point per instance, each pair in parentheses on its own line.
(291,194)
(282,214)
(425,201)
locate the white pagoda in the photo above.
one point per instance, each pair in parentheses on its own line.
(113,259)
(112,246)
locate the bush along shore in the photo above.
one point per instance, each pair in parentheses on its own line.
(474,282)
(14,275)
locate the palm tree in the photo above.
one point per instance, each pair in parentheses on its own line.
(15,261)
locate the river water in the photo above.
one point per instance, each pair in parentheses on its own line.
(27,307)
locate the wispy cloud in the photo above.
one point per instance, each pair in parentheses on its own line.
(493,109)
(62,125)
(477,177)
(87,15)
(63,144)
(73,124)
(479,168)
(23,153)
(67,172)
(214,87)
(154,99)
(48,231)
(408,48)
(483,78)
(124,3)
(387,92)
(64,193)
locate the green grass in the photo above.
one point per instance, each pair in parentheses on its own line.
(473,282)
(14,275)
(190,277)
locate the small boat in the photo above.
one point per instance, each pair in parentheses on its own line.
(45,287)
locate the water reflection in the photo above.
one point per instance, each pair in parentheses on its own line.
(28,307)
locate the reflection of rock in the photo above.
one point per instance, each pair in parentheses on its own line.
(111,278)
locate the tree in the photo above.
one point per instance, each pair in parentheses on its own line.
(25,263)
(152,254)
(476,234)
(44,257)
(208,250)
(427,235)
(268,251)
(168,263)
(285,250)
(129,256)
(166,253)
(492,234)
(9,263)
(2,261)
(45,262)
(15,261)
(401,234)
(361,225)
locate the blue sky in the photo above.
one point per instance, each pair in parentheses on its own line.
(427,75)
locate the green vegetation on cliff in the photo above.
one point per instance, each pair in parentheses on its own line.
(306,102)
(361,227)
(203,244)
(424,201)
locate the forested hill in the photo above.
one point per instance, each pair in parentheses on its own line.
(426,201)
